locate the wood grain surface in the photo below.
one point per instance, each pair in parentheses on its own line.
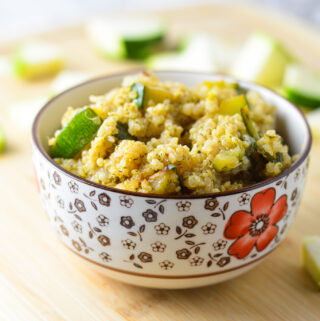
(40,279)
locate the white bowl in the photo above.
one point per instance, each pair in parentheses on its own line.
(170,241)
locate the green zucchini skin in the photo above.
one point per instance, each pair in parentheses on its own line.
(141,49)
(123,133)
(302,100)
(80,130)
(140,90)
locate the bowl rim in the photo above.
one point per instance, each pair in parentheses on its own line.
(303,155)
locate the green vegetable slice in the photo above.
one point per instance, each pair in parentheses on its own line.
(302,86)
(123,132)
(252,146)
(139,89)
(279,158)
(172,167)
(311,257)
(2,140)
(76,134)
(233,105)
(249,123)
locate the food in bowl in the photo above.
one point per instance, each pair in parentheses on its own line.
(166,138)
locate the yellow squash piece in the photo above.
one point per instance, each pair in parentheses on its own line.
(233,105)
(226,161)
(156,94)
(311,256)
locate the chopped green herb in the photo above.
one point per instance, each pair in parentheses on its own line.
(172,167)
(123,132)
(139,89)
(76,134)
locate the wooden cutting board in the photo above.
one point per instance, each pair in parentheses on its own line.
(42,280)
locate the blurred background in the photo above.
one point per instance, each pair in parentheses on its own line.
(18,17)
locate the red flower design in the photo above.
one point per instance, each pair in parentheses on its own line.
(258,227)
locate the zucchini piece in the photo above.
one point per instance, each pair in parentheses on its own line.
(220,84)
(2,140)
(76,134)
(249,123)
(225,161)
(311,257)
(140,90)
(156,94)
(35,60)
(279,158)
(126,38)
(198,55)
(123,133)
(302,86)
(252,146)
(23,112)
(262,59)
(232,105)
(314,122)
(67,79)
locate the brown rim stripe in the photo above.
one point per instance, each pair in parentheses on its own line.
(157,276)
(286,172)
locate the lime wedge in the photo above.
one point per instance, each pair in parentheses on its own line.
(302,86)
(262,59)
(311,256)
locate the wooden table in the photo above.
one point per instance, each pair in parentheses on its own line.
(42,280)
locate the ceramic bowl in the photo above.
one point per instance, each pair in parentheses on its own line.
(169,241)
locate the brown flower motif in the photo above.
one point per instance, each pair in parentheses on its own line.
(189,221)
(297,174)
(145,257)
(219,245)
(158,247)
(76,245)
(102,220)
(196,261)
(73,186)
(244,199)
(79,205)
(42,184)
(166,265)
(60,201)
(223,261)
(150,215)
(162,229)
(57,178)
(183,254)
(104,199)
(105,257)
(183,206)
(209,228)
(128,244)
(126,201)
(211,204)
(76,226)
(127,221)
(294,194)
(104,240)
(64,230)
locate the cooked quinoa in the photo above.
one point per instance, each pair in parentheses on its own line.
(180,141)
